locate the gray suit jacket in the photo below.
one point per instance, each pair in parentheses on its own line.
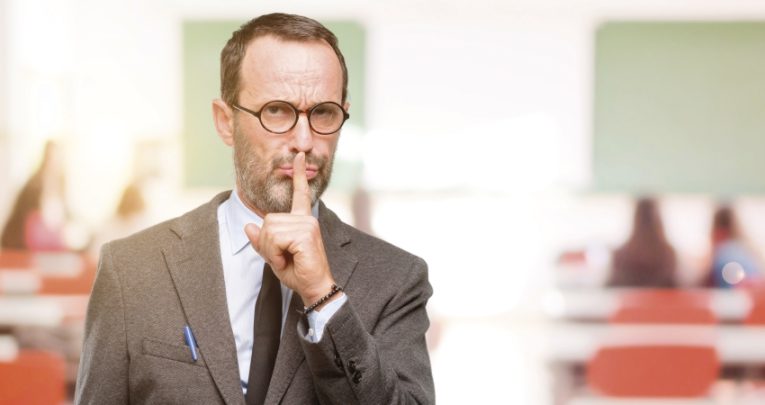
(153,283)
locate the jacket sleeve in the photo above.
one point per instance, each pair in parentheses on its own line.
(387,365)
(103,372)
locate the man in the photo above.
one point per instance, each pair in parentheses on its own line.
(262,295)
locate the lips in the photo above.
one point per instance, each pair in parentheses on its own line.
(310,172)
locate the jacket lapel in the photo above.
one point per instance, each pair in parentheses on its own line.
(341,263)
(195,266)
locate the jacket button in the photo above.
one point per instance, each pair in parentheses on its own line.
(352,366)
(356,377)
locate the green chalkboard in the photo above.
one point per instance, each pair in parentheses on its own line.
(680,107)
(207,162)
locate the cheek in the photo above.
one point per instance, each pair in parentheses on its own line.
(268,149)
(326,147)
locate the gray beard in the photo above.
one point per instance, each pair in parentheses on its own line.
(259,185)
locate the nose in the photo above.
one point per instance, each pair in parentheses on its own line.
(302,136)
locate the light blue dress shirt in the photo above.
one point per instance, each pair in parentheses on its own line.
(243,274)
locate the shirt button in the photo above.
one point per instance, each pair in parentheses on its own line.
(310,332)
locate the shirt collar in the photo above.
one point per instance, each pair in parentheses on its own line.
(238,215)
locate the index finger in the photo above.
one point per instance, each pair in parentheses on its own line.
(301,193)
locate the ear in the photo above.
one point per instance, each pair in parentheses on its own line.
(223,116)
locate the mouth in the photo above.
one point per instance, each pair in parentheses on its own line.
(311,171)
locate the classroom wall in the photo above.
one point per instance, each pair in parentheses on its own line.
(678,107)
(480,105)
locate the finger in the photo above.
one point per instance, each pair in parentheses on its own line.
(253,234)
(301,193)
(270,251)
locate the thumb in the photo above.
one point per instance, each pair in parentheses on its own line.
(253,234)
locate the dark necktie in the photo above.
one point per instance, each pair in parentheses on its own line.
(268,325)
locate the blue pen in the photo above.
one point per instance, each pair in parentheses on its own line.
(189,336)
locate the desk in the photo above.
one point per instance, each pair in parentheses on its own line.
(45,273)
(569,346)
(646,401)
(577,342)
(9,349)
(599,304)
(41,310)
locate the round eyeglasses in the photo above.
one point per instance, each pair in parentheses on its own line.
(279,116)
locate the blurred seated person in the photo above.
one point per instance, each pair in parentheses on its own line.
(733,262)
(646,259)
(129,217)
(39,215)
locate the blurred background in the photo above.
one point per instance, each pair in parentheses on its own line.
(584,178)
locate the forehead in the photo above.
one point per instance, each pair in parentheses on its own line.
(290,70)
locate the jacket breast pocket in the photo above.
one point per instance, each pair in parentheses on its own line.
(156,348)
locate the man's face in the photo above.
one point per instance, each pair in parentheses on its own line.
(304,74)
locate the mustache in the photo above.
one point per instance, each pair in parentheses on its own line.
(310,159)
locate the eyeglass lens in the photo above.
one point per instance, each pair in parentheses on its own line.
(324,118)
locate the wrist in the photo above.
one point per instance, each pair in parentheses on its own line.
(334,293)
(335,297)
(310,296)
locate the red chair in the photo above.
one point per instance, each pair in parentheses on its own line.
(32,264)
(756,315)
(33,378)
(665,306)
(653,371)
(652,364)
(16,259)
(79,285)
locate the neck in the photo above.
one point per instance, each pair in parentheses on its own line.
(249,205)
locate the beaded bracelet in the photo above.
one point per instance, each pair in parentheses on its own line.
(335,289)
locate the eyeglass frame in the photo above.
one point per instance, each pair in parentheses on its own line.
(297,111)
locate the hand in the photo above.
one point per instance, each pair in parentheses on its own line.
(291,243)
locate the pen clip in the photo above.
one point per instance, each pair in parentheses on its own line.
(190,341)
